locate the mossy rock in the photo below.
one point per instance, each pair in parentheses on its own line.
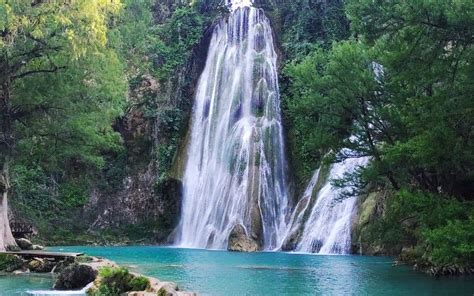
(84,259)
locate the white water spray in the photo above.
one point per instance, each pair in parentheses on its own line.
(235,171)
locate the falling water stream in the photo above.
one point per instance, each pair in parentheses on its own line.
(235,171)
(328,227)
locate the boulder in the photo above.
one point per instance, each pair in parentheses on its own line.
(35,264)
(239,241)
(75,277)
(40,265)
(24,244)
(37,248)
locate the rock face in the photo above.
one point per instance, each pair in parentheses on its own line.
(371,208)
(239,241)
(75,277)
(291,241)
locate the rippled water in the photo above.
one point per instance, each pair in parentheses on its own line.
(223,273)
(18,285)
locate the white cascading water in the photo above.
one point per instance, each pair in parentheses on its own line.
(235,171)
(328,228)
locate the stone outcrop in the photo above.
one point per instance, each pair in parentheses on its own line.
(24,244)
(40,265)
(239,241)
(75,277)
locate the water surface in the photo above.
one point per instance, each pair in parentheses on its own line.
(219,273)
(17,285)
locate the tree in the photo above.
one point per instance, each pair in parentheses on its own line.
(52,58)
(400,91)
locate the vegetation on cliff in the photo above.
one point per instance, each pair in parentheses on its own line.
(73,77)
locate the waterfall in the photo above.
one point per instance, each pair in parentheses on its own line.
(235,170)
(328,227)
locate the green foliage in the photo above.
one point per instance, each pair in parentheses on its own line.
(452,243)
(114,281)
(440,228)
(177,37)
(9,263)
(104,291)
(171,127)
(308,23)
(396,113)
(162,292)
(139,283)
(400,93)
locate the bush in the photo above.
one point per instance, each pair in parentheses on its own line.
(452,243)
(115,281)
(10,263)
(439,228)
(139,283)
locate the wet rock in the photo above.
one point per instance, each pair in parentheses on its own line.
(34,265)
(291,241)
(37,248)
(239,241)
(24,244)
(75,277)
(41,265)
(63,264)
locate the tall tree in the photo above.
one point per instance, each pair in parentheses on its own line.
(45,48)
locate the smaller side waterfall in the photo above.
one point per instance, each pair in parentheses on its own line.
(328,227)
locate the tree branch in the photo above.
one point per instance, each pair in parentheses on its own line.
(32,72)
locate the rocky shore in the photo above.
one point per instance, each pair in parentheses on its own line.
(97,276)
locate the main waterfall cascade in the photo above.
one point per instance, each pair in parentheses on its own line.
(328,227)
(235,171)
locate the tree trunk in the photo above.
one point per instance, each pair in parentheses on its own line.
(6,237)
(6,148)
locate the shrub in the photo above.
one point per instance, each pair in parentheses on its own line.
(9,263)
(139,283)
(115,281)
